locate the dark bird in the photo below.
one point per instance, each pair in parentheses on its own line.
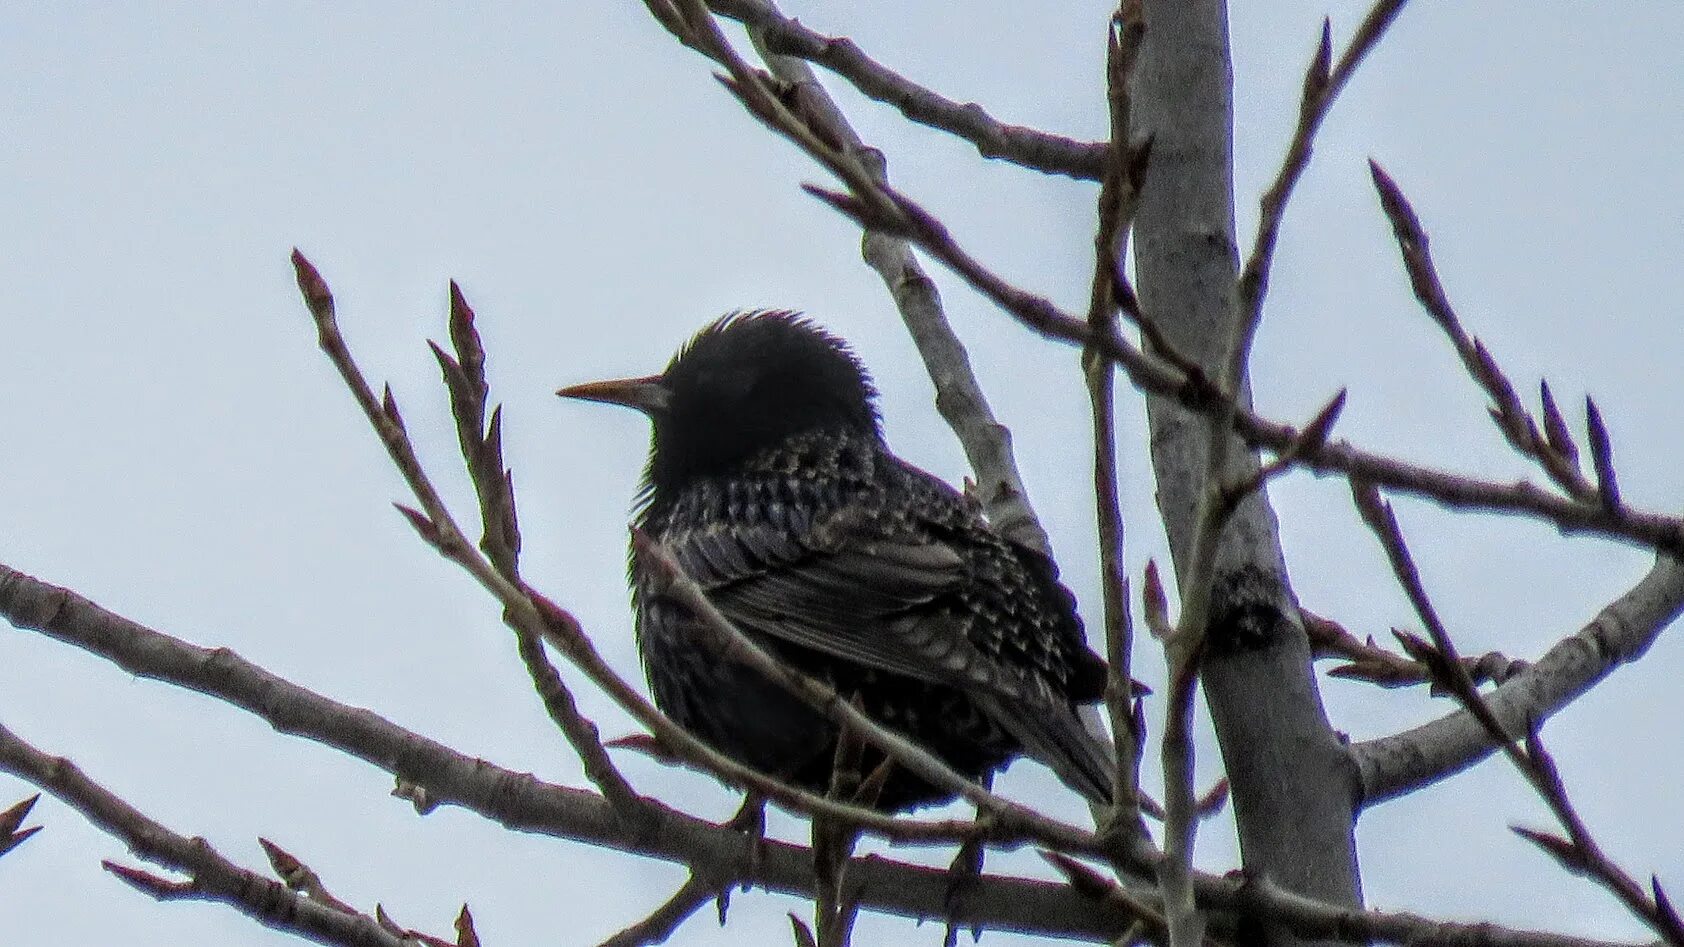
(770,483)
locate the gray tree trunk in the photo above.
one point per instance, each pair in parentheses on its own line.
(1294,789)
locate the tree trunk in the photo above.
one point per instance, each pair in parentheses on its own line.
(1293,785)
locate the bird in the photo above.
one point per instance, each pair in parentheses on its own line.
(770,483)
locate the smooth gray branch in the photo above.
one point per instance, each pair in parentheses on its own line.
(1392,766)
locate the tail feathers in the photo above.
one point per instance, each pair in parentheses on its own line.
(1053,735)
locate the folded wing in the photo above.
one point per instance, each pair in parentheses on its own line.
(858,587)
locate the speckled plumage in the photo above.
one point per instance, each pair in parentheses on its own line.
(770,482)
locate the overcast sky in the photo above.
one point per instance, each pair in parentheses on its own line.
(175,448)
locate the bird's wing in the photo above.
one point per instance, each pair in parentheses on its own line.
(845,589)
(839,589)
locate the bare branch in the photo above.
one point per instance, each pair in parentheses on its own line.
(1554,453)
(1369,662)
(521,802)
(1320,88)
(1026,147)
(1392,766)
(211,877)
(664,920)
(1579,851)
(466,381)
(877,206)
(959,395)
(1441,658)
(1309,918)
(1314,435)
(1118,196)
(481,445)
(1264,900)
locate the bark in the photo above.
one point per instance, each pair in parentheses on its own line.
(1294,788)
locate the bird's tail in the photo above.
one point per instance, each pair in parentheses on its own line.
(1055,736)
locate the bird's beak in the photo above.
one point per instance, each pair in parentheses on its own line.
(648,395)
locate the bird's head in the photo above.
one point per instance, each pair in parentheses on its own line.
(744,384)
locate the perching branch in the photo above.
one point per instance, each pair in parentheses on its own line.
(521,802)
(535,618)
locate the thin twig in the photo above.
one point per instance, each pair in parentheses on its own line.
(1367,661)
(1578,851)
(481,444)
(434,521)
(880,207)
(959,395)
(1553,452)
(211,877)
(1313,436)
(1026,147)
(1118,195)
(1321,88)
(690,897)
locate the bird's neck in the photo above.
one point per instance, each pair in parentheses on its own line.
(816,469)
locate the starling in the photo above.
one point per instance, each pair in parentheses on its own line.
(770,483)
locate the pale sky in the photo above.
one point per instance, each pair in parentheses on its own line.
(176,449)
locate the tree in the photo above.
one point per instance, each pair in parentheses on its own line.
(1225,672)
